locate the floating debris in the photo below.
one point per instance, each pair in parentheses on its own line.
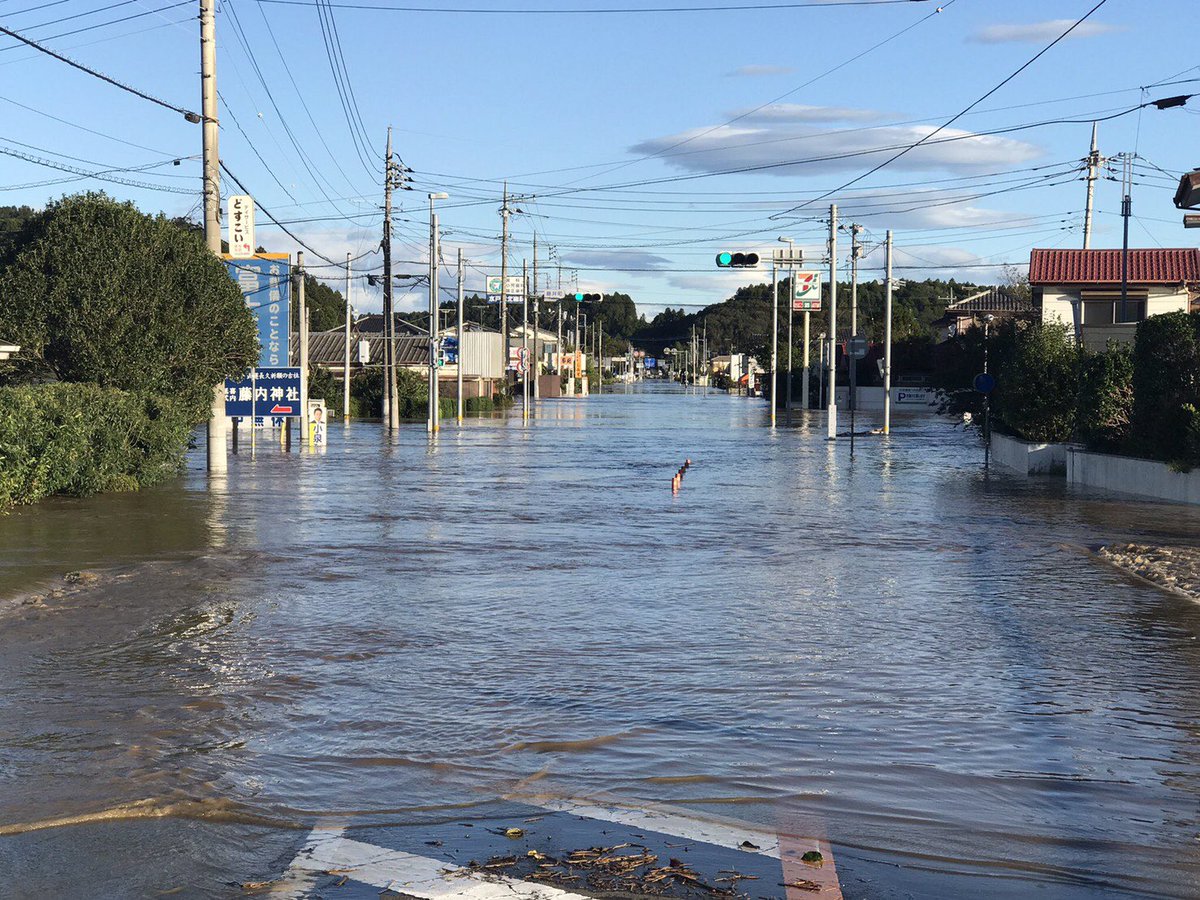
(813,858)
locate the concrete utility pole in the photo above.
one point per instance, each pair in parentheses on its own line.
(459,364)
(1094,162)
(855,253)
(887,339)
(433,421)
(774,334)
(218,462)
(390,418)
(346,349)
(1126,212)
(791,300)
(303,309)
(536,361)
(706,365)
(525,393)
(504,214)
(599,355)
(807,362)
(558,348)
(831,406)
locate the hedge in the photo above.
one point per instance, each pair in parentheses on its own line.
(1166,382)
(84,439)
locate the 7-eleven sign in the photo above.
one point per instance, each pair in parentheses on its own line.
(806,291)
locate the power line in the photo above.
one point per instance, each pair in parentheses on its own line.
(608,10)
(101,175)
(61,34)
(192,117)
(927,138)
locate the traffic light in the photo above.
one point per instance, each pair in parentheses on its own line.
(588,298)
(727,260)
(1188,195)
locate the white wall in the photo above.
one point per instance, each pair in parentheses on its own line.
(1028,457)
(1127,475)
(904,400)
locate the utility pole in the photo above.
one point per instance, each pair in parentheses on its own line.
(433,421)
(536,361)
(525,342)
(389,383)
(504,213)
(459,364)
(218,462)
(831,406)
(303,310)
(887,339)
(558,348)
(599,355)
(1126,212)
(791,259)
(855,253)
(706,365)
(774,334)
(346,350)
(1094,162)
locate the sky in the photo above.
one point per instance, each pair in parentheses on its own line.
(637,143)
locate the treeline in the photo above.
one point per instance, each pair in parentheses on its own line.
(1142,400)
(126,322)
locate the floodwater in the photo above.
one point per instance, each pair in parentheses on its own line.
(922,661)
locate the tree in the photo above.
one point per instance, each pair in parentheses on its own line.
(99,292)
(326,307)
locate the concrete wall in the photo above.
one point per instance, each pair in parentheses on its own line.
(1027,457)
(1127,475)
(904,400)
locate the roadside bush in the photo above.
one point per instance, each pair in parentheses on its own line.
(97,291)
(1106,398)
(84,439)
(1037,377)
(1166,381)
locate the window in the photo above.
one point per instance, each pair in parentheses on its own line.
(1104,307)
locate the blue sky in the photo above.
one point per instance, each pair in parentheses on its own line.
(580,111)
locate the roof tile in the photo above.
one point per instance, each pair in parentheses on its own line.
(1157,266)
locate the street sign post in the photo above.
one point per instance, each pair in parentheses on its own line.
(273,392)
(856,349)
(265,281)
(241,226)
(514,287)
(806,291)
(985,383)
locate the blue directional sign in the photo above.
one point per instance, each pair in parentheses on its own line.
(265,392)
(265,281)
(651,362)
(450,349)
(985,383)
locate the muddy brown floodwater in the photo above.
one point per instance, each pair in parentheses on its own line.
(929,663)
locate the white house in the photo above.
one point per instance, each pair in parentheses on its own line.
(1082,288)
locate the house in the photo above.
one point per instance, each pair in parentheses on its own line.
(7,350)
(1000,303)
(1082,288)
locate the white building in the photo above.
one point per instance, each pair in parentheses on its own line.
(1082,288)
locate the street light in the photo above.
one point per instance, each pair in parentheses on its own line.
(432,422)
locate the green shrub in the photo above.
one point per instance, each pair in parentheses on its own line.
(85,439)
(1037,378)
(99,292)
(1106,398)
(1166,381)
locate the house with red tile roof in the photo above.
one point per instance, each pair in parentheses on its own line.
(1082,288)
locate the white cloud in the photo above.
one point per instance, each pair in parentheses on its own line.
(625,259)
(798,112)
(755,71)
(1039,32)
(787,148)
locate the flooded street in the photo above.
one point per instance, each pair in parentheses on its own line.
(927,665)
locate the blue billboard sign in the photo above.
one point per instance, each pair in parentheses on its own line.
(265,281)
(264,392)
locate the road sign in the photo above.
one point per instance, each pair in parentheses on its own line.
(364,352)
(856,347)
(265,281)
(1191,221)
(806,291)
(651,362)
(985,383)
(522,360)
(450,349)
(264,392)
(514,287)
(241,226)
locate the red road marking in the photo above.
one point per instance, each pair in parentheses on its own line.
(793,844)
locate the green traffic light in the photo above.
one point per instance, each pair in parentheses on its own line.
(579,298)
(724,259)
